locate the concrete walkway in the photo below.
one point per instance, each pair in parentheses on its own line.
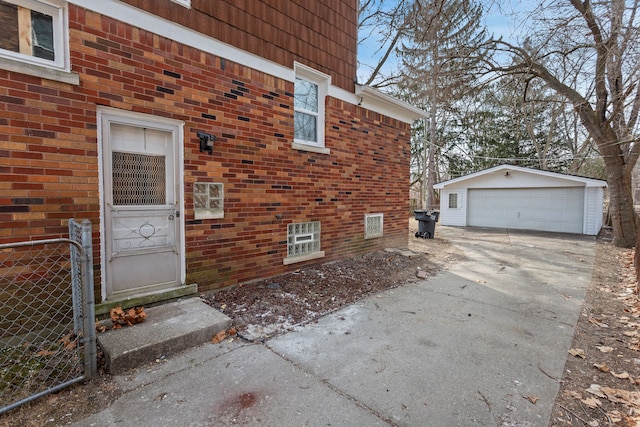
(477,344)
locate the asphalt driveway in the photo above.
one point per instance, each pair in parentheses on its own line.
(483,343)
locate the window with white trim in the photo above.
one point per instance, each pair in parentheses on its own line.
(208,200)
(303,241)
(310,91)
(373,225)
(35,32)
(306,111)
(453,200)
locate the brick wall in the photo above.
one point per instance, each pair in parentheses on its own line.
(49,153)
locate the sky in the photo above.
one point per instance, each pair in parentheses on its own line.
(499,21)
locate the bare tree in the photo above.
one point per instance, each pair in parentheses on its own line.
(383,24)
(598,42)
(437,69)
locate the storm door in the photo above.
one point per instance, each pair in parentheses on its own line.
(141,207)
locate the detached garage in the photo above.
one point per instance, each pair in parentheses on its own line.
(521,198)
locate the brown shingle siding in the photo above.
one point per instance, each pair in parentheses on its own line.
(315,32)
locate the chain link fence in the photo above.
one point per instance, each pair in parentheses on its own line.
(47,321)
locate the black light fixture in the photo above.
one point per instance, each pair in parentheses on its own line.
(206,141)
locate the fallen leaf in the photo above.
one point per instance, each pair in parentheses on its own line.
(532,399)
(573,393)
(45,353)
(141,316)
(631,420)
(129,318)
(631,398)
(219,337)
(634,347)
(591,402)
(615,416)
(622,376)
(116,314)
(604,348)
(68,341)
(598,322)
(577,352)
(596,389)
(603,367)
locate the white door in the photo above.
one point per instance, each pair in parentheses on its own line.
(141,206)
(546,209)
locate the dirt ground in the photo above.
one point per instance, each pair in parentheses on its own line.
(610,319)
(600,384)
(266,308)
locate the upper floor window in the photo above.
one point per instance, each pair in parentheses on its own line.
(310,91)
(34,31)
(306,111)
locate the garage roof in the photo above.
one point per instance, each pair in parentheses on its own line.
(588,182)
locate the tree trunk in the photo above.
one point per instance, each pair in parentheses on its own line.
(431,160)
(425,173)
(623,216)
(433,121)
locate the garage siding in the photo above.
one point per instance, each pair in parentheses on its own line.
(547,209)
(594,197)
(456,216)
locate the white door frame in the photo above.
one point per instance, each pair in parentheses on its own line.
(132,118)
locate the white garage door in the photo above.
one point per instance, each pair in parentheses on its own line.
(547,209)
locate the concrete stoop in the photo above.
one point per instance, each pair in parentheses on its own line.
(168,329)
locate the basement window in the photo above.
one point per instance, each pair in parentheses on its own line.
(303,242)
(373,225)
(208,200)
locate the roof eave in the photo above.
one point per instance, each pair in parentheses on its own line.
(589,182)
(387,105)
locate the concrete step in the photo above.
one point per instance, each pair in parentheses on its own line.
(168,329)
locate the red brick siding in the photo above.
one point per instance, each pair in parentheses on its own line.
(49,164)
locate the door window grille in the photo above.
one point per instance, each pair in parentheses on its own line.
(139,179)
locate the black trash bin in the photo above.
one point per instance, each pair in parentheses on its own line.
(426,223)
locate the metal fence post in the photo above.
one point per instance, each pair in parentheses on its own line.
(89,323)
(76,275)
